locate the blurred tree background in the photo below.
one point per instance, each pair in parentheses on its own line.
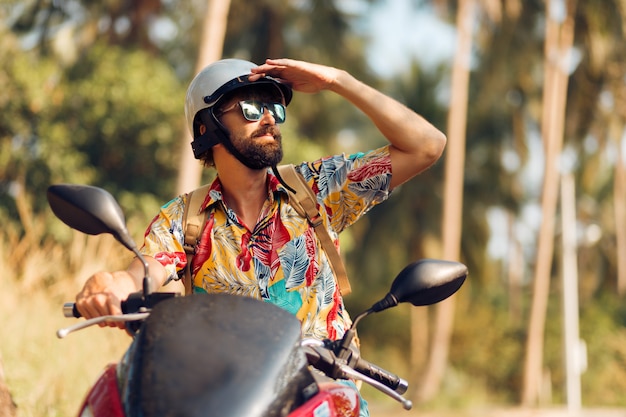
(92,92)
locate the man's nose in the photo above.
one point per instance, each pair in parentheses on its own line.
(267,117)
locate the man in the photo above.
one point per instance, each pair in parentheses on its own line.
(253,243)
(414,145)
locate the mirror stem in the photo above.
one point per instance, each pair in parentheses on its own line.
(146,277)
(387,302)
(344,352)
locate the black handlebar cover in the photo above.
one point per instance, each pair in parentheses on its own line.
(325,360)
(381,375)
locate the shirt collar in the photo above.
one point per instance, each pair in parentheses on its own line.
(215,191)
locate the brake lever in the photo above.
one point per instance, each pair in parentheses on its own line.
(61,333)
(320,355)
(351,373)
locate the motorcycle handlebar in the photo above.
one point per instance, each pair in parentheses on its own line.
(381,375)
(321,357)
(325,360)
(70,310)
(135,303)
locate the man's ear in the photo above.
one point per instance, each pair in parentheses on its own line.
(202,129)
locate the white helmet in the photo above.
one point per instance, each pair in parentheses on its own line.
(206,90)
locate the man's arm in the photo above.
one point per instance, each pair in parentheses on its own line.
(103,292)
(415,143)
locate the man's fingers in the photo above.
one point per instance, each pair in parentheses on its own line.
(98,305)
(93,305)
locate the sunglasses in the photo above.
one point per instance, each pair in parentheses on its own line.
(252,110)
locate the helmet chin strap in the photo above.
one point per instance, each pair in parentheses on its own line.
(201,144)
(214,134)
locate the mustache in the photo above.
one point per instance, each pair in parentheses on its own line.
(267,130)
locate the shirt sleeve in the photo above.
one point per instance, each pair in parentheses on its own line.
(164,239)
(347,187)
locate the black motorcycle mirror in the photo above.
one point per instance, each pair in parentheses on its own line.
(93,211)
(425,282)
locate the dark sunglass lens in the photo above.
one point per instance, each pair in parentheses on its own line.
(278,112)
(252,110)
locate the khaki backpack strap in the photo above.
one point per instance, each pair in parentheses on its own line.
(193,221)
(304,202)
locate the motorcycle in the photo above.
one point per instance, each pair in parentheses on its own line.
(226,355)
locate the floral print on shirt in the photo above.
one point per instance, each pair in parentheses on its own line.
(280,260)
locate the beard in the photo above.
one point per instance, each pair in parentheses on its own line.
(259,155)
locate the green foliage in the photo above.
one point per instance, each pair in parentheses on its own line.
(493,361)
(30,98)
(603,328)
(111,119)
(124,110)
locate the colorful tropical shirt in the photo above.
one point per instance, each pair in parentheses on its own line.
(280,261)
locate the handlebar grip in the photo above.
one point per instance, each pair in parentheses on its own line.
(386,378)
(70,310)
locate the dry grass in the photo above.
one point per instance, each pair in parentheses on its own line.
(48,376)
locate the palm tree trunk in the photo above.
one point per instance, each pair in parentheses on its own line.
(211,48)
(619,202)
(559,39)
(453,198)
(515,273)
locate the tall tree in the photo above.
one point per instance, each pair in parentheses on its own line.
(559,41)
(453,195)
(619,202)
(209,50)
(598,117)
